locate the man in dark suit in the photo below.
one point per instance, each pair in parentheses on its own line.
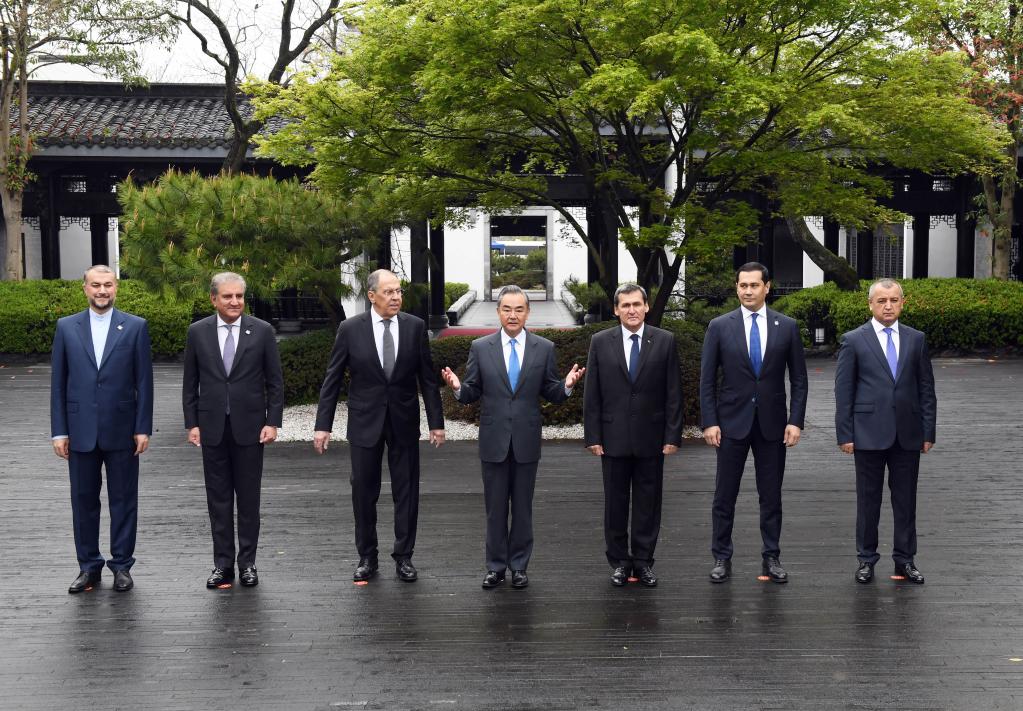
(101,413)
(751,348)
(510,370)
(632,418)
(232,394)
(386,362)
(885,415)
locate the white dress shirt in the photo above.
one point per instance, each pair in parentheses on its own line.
(747,324)
(520,347)
(378,334)
(882,337)
(100,325)
(222,333)
(627,342)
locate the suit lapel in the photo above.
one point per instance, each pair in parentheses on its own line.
(619,351)
(405,340)
(644,351)
(114,333)
(875,346)
(497,354)
(242,339)
(528,357)
(772,328)
(371,338)
(85,335)
(212,341)
(906,342)
(739,334)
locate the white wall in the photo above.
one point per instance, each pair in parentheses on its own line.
(941,253)
(465,252)
(568,251)
(812,274)
(75,247)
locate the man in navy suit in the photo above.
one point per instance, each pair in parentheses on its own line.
(751,349)
(101,413)
(386,354)
(885,415)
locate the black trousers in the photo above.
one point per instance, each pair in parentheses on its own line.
(509,483)
(367,468)
(233,472)
(769,461)
(639,480)
(85,469)
(903,472)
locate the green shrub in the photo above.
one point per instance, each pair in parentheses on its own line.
(956,314)
(453,291)
(304,361)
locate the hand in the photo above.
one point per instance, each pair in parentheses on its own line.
(320,441)
(712,436)
(62,447)
(792,434)
(574,375)
(927,447)
(596,449)
(268,434)
(451,379)
(141,443)
(847,447)
(669,449)
(436,437)
(194,438)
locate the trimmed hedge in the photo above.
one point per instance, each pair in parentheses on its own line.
(956,314)
(29,311)
(305,360)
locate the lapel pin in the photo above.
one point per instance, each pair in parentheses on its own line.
(247,332)
(120,327)
(775,323)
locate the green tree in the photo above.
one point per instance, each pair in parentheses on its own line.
(100,34)
(492,102)
(183,228)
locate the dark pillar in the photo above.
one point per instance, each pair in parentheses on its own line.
(865,254)
(438,314)
(966,244)
(831,229)
(99,224)
(417,301)
(49,227)
(383,251)
(602,229)
(921,244)
(765,235)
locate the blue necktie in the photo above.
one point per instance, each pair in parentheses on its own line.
(513,365)
(889,351)
(755,357)
(634,357)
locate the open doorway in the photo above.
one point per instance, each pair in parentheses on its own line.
(518,255)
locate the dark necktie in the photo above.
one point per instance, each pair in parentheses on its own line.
(889,351)
(388,349)
(513,365)
(755,357)
(634,357)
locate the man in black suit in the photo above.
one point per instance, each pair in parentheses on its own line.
(232,394)
(885,415)
(101,414)
(745,408)
(632,418)
(509,371)
(386,362)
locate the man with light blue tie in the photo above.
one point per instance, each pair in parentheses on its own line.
(746,354)
(885,416)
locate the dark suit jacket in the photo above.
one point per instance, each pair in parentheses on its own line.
(872,409)
(732,403)
(255,387)
(510,418)
(101,407)
(633,419)
(371,396)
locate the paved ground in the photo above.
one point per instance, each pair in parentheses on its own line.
(307,638)
(542,314)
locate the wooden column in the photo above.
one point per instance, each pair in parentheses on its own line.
(831,229)
(865,254)
(419,271)
(49,227)
(921,244)
(99,224)
(438,314)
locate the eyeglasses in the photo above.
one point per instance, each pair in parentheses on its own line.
(390,292)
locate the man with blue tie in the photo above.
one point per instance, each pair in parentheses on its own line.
(751,349)
(101,414)
(885,416)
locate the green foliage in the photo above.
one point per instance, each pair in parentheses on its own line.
(453,291)
(955,314)
(528,271)
(587,294)
(304,361)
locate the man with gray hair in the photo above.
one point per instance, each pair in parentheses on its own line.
(885,416)
(233,399)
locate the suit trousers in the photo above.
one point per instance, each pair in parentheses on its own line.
(504,483)
(769,461)
(122,468)
(367,468)
(233,471)
(640,479)
(903,472)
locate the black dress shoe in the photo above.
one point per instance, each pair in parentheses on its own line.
(85,581)
(406,571)
(619,576)
(249,577)
(910,573)
(492,579)
(519,579)
(123,581)
(646,576)
(366,569)
(219,576)
(772,568)
(721,571)
(865,573)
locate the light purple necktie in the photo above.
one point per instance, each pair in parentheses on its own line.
(889,351)
(229,348)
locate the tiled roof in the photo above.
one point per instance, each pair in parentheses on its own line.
(109,115)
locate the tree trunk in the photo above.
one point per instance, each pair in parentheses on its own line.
(234,161)
(12,222)
(840,269)
(660,302)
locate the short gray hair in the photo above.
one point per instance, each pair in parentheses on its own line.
(884,284)
(511,289)
(628,289)
(101,268)
(373,280)
(223,278)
